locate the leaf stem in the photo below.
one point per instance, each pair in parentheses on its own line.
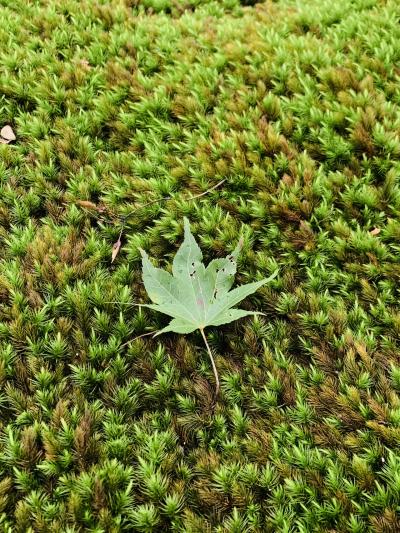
(212,361)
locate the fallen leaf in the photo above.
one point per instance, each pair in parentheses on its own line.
(115,250)
(196,296)
(375,231)
(7,134)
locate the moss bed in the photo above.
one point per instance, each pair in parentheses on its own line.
(122,112)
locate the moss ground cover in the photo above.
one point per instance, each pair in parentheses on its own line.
(116,105)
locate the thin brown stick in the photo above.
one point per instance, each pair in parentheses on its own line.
(157,200)
(133,211)
(170,198)
(212,361)
(117,244)
(138,337)
(208,190)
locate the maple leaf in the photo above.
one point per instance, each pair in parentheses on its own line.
(196,296)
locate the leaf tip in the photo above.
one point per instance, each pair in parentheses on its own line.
(272,276)
(186,225)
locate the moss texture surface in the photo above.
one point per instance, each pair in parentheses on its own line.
(118,105)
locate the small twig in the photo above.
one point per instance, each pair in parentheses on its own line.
(157,200)
(208,190)
(164,198)
(212,361)
(138,337)
(117,244)
(130,213)
(90,206)
(120,233)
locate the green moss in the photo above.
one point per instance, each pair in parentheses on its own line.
(119,105)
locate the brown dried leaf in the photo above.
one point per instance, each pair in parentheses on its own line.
(7,134)
(375,231)
(115,249)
